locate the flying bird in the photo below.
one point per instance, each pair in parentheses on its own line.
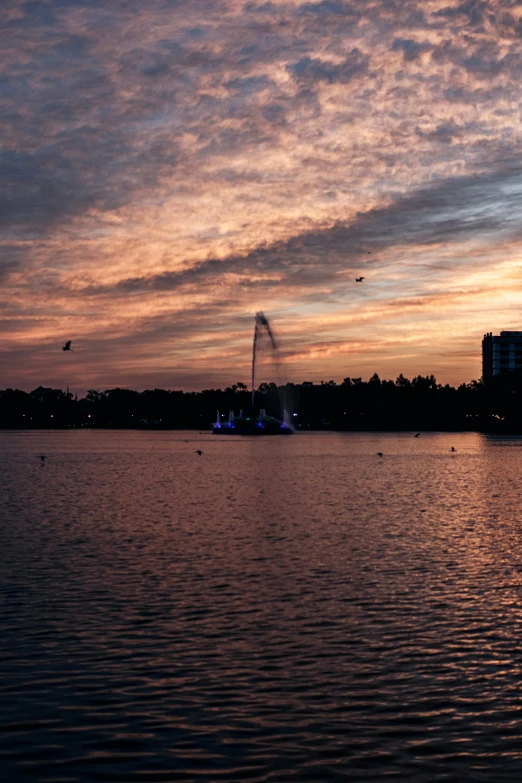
(67,346)
(359,279)
(198,451)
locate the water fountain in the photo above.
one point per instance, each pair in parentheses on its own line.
(251,421)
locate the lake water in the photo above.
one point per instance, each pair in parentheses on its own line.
(276,609)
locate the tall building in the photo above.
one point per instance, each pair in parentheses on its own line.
(501,353)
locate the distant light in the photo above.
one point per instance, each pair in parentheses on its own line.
(294,414)
(89,416)
(52,416)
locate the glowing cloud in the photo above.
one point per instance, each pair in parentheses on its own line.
(167,169)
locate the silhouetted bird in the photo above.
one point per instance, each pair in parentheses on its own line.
(198,451)
(379,454)
(67,346)
(453,448)
(43,458)
(359,279)
(416,435)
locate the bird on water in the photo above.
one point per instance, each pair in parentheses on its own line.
(379,454)
(453,448)
(198,451)
(416,435)
(67,346)
(43,458)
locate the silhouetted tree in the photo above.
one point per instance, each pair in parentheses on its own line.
(421,403)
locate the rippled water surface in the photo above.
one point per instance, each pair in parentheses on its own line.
(277,609)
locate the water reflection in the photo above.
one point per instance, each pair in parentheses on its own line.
(290,610)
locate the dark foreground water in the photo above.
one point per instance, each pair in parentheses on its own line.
(280,609)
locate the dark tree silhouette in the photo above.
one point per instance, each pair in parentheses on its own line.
(418,404)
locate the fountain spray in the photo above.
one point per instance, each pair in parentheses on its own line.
(261,323)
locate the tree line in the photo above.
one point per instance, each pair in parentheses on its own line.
(401,404)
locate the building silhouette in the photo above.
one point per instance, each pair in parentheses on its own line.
(501,353)
(42,393)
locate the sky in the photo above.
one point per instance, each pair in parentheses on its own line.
(169,168)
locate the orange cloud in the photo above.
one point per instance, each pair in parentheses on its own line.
(167,172)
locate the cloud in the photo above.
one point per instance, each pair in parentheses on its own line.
(310,69)
(457,210)
(472,12)
(410,48)
(166,169)
(329,7)
(11,259)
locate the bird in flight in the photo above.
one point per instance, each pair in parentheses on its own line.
(359,279)
(67,346)
(198,451)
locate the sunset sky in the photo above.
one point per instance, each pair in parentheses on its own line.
(169,168)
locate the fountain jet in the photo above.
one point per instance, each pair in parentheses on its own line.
(250,422)
(261,323)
